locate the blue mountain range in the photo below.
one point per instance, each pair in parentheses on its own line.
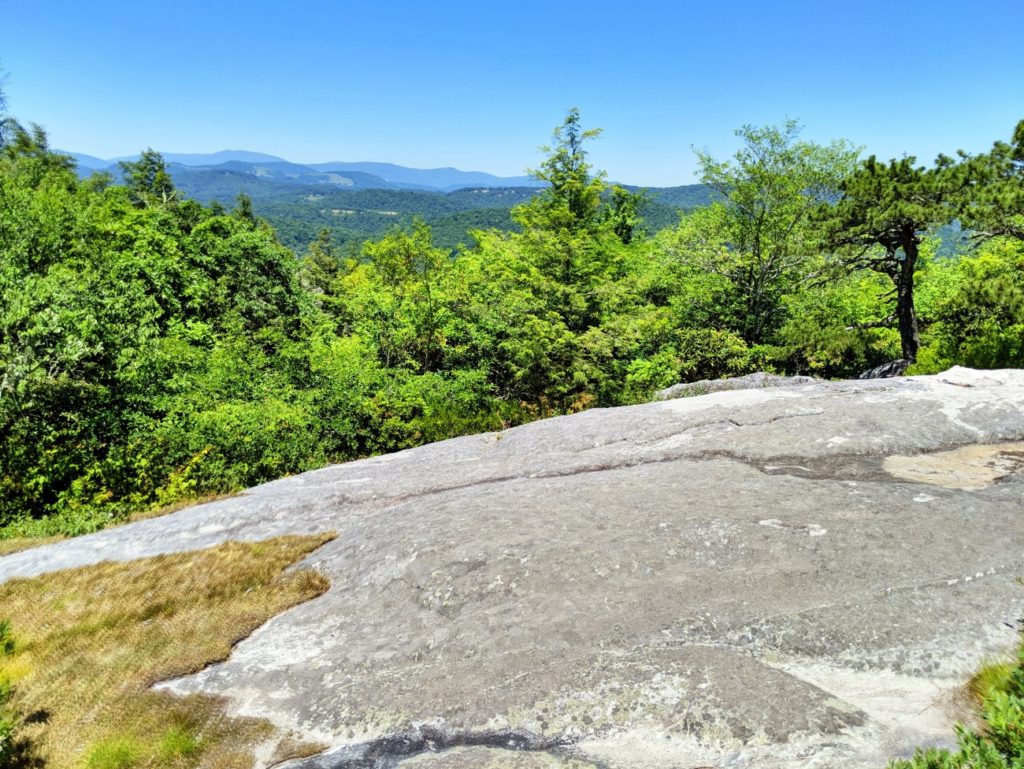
(346,175)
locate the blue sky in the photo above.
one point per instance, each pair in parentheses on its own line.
(480,85)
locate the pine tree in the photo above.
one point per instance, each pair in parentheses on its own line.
(148,181)
(879,222)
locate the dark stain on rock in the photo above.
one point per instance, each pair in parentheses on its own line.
(387,752)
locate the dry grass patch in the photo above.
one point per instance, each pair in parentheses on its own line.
(91,641)
(8,546)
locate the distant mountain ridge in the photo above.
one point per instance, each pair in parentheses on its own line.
(363,200)
(348,175)
(447,178)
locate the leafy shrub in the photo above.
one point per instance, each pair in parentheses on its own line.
(999,745)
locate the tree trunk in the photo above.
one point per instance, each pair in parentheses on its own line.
(905,315)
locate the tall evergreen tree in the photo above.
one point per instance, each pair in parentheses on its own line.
(573,196)
(991,200)
(148,180)
(879,222)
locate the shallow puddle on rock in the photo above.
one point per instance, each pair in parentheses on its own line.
(968,467)
(479,757)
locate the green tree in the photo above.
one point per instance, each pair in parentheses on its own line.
(771,187)
(991,197)
(130,338)
(623,215)
(319,268)
(244,210)
(147,179)
(568,232)
(572,199)
(5,119)
(404,302)
(879,222)
(979,315)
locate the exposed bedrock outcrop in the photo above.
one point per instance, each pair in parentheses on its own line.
(795,576)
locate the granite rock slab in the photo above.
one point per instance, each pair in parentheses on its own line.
(799,576)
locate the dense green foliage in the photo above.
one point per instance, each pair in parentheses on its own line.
(155,349)
(879,223)
(999,744)
(771,188)
(992,187)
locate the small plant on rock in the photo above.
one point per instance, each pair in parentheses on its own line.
(999,743)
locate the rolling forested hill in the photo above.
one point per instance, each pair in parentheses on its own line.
(361,201)
(354,215)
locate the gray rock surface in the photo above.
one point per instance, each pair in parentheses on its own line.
(799,576)
(747,382)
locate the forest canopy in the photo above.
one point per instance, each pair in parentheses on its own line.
(155,349)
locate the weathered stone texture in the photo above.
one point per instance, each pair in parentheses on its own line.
(795,576)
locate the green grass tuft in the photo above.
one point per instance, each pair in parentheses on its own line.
(992,678)
(178,742)
(114,753)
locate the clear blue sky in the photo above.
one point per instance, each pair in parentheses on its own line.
(479,85)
